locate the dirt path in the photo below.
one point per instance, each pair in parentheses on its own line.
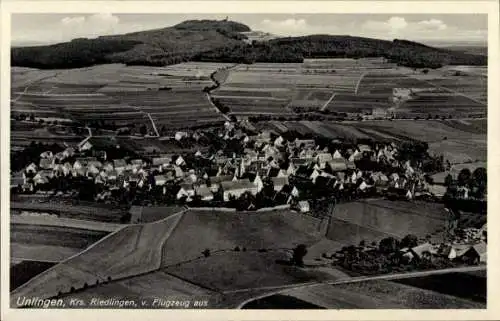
(395,276)
(327,102)
(359,82)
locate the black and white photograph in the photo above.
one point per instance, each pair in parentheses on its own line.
(248,161)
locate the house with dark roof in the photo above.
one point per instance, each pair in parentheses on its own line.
(47,163)
(119,164)
(204,192)
(186,190)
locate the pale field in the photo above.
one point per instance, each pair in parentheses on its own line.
(132,250)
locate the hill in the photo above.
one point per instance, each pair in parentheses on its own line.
(225,41)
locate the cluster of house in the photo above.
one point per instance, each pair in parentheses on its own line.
(470,235)
(471,253)
(264,158)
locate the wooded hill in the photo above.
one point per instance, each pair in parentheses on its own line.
(222,41)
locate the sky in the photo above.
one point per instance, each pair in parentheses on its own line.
(436,28)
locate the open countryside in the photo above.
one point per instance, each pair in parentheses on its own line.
(252,173)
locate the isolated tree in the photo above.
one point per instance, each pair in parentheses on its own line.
(388,245)
(206,253)
(448,180)
(143,130)
(409,241)
(299,252)
(464,177)
(479,176)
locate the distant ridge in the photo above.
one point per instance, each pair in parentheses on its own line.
(226,41)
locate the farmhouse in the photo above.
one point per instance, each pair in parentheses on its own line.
(31,168)
(47,163)
(69,152)
(337,155)
(323,159)
(180,161)
(214,181)
(474,254)
(186,190)
(437,190)
(119,165)
(238,188)
(180,135)
(161,161)
(304,143)
(279,183)
(160,180)
(304,206)
(60,156)
(337,164)
(204,192)
(46,154)
(84,145)
(279,141)
(424,251)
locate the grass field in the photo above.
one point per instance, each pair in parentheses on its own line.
(226,230)
(376,219)
(243,270)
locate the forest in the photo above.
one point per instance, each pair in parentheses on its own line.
(222,41)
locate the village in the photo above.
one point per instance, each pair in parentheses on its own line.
(265,170)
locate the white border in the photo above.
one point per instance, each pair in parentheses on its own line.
(383,7)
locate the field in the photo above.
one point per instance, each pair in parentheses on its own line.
(49,243)
(174,245)
(21,272)
(461,285)
(154,285)
(90,212)
(243,270)
(373,220)
(217,230)
(47,220)
(378,294)
(132,250)
(360,103)
(278,89)
(118,95)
